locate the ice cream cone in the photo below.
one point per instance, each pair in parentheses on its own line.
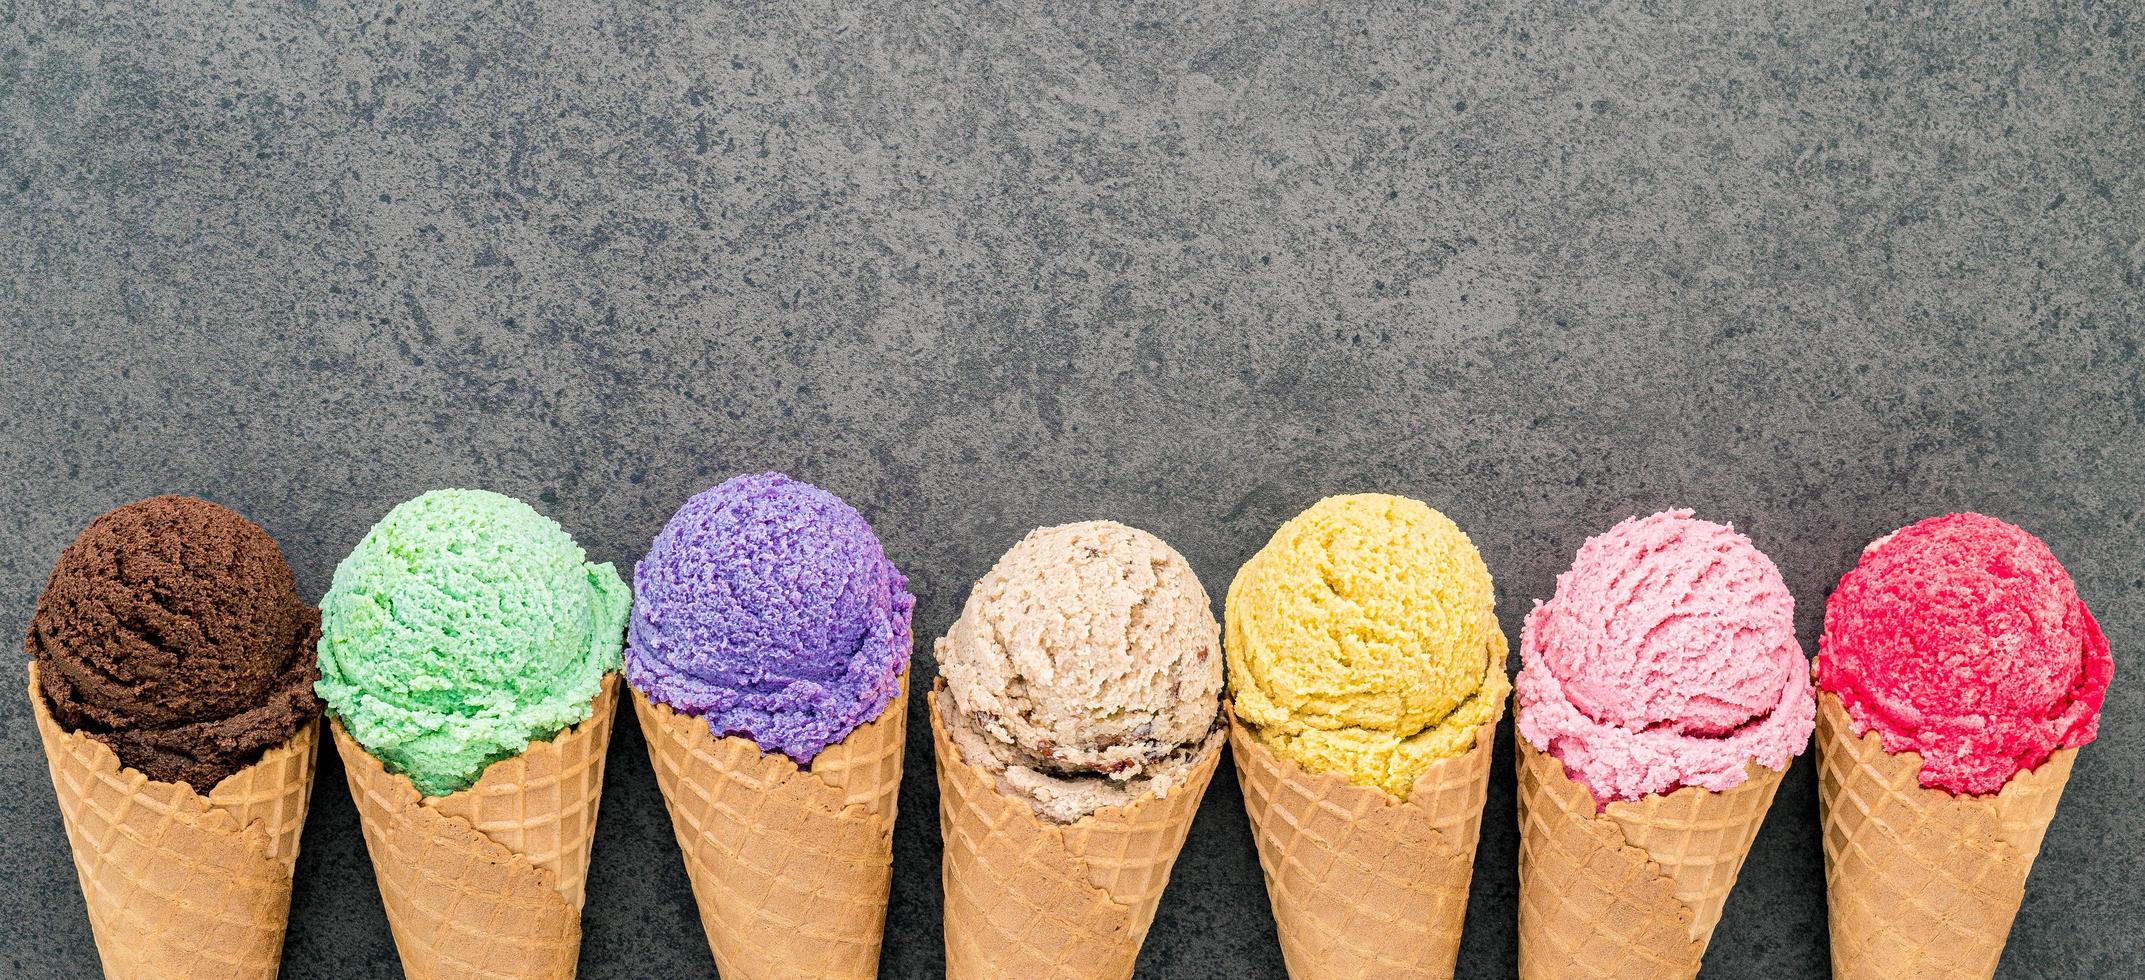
(1035,900)
(487,882)
(1636,889)
(790,867)
(180,884)
(1921,883)
(1363,884)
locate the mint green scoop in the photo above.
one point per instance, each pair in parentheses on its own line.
(463,627)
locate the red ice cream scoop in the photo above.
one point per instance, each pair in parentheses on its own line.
(1963,639)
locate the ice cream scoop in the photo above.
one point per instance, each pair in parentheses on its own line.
(171,630)
(1962,638)
(1085,670)
(1666,658)
(462,627)
(1363,640)
(767,607)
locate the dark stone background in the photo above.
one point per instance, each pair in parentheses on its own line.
(1818,269)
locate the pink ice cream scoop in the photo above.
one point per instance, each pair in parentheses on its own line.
(1962,638)
(1666,658)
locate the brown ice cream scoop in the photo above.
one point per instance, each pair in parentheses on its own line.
(1085,669)
(171,630)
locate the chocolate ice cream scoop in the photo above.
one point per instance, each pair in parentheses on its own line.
(171,630)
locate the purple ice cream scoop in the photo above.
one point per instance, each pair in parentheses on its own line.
(767,607)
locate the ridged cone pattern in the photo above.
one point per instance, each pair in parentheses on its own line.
(1921,883)
(1362,884)
(179,884)
(791,867)
(1028,899)
(1634,890)
(487,882)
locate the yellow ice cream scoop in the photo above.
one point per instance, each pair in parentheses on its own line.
(1363,641)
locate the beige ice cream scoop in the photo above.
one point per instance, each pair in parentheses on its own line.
(1085,670)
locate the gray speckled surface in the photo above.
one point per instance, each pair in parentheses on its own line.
(1819,269)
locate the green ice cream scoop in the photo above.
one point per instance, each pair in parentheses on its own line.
(464,626)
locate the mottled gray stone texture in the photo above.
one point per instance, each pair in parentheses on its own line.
(1818,269)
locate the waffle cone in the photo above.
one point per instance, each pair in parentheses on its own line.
(487,882)
(179,884)
(1363,884)
(790,867)
(1035,900)
(1921,883)
(1636,889)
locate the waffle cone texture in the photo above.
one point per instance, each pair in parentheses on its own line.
(1363,884)
(1028,899)
(488,882)
(790,867)
(1921,883)
(181,884)
(1635,889)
